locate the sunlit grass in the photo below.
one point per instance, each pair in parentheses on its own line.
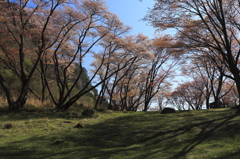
(193,134)
(34,103)
(31,103)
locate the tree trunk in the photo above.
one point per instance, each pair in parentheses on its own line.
(19,103)
(7,93)
(238,88)
(207,103)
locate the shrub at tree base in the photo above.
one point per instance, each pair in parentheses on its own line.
(168,110)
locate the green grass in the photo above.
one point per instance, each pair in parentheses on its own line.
(211,134)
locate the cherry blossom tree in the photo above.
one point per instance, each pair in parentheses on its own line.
(203,24)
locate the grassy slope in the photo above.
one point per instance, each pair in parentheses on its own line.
(194,134)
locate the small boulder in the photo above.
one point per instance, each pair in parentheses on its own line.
(8,126)
(168,110)
(105,111)
(236,107)
(79,125)
(95,116)
(58,142)
(67,122)
(88,112)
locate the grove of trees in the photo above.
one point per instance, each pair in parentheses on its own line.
(207,31)
(44,45)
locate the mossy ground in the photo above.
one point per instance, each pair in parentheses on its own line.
(211,134)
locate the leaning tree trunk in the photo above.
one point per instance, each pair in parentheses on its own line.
(7,93)
(20,102)
(236,74)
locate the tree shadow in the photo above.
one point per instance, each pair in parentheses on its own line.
(137,136)
(204,134)
(208,129)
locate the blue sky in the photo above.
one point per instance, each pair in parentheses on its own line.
(131,12)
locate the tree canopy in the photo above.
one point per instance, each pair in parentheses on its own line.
(43,46)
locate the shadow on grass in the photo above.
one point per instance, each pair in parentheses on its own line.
(137,136)
(206,132)
(230,155)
